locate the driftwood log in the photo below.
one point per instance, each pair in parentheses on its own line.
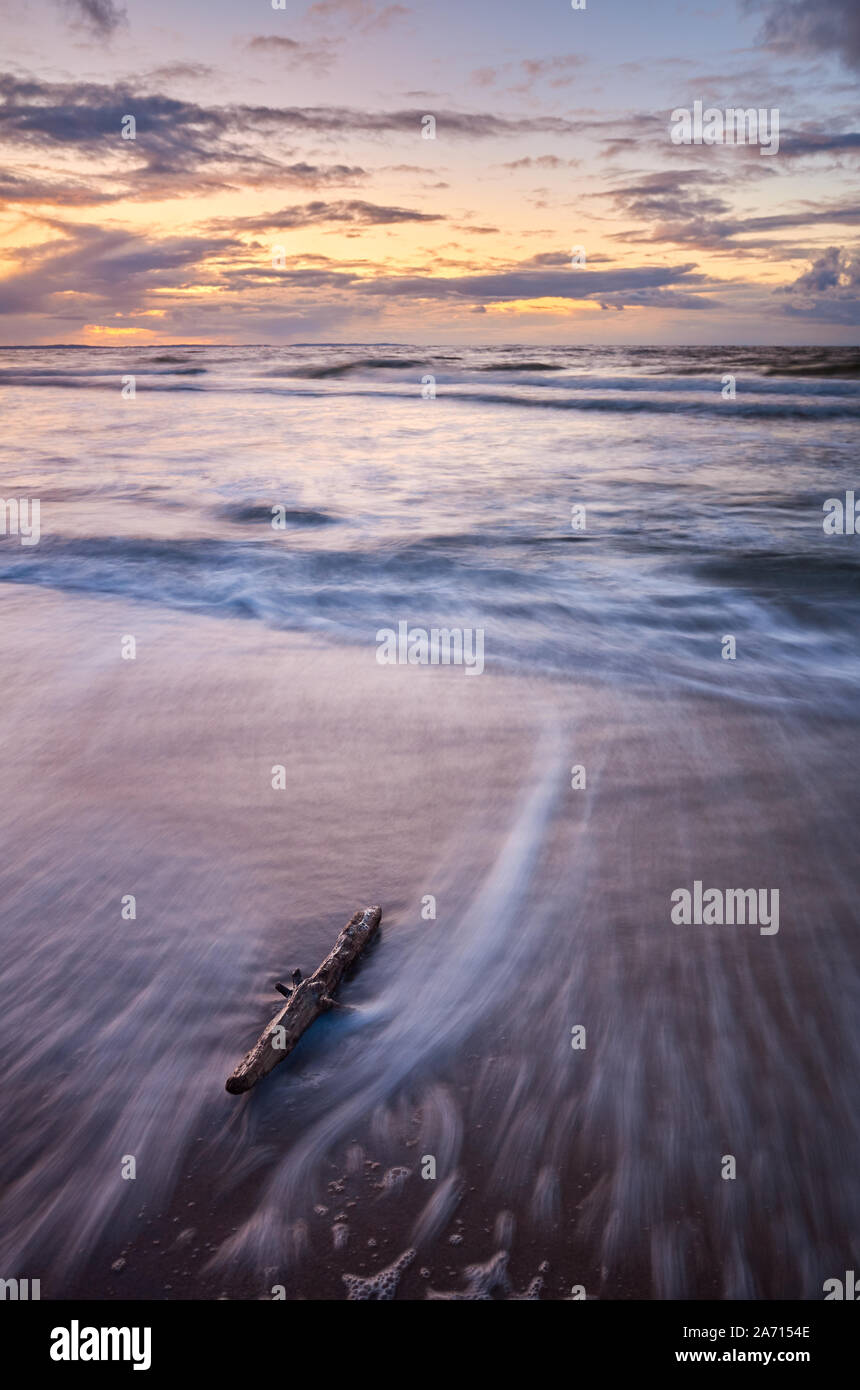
(306,1000)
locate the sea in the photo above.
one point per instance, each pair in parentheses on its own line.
(657,545)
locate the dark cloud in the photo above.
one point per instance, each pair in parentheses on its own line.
(472,125)
(642,136)
(181,147)
(558,258)
(319,175)
(274,43)
(811,215)
(42,192)
(106,270)
(608,286)
(802,143)
(836,269)
(102,17)
(685,207)
(299,278)
(657,298)
(541,161)
(101,274)
(180,72)
(17,191)
(678,211)
(829,292)
(828,28)
(314,214)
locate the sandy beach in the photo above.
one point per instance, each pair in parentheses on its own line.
(598,1167)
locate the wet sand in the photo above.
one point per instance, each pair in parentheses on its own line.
(599,1167)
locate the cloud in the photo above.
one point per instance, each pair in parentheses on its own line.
(830,290)
(101,17)
(314,214)
(471,125)
(557,71)
(274,43)
(180,72)
(99,270)
(43,192)
(321,175)
(61,142)
(181,148)
(678,211)
(85,273)
(541,161)
(16,190)
(834,270)
(293,54)
(360,15)
(810,215)
(631,285)
(83,113)
(802,143)
(683,207)
(825,28)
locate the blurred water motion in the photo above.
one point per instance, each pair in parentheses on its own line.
(256,646)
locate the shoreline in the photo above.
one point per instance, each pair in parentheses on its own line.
(152,778)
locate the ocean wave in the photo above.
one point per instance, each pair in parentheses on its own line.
(627,400)
(339,369)
(523,367)
(837,406)
(264,511)
(107,377)
(795,409)
(539,612)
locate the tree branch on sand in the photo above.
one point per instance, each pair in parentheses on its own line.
(306,1000)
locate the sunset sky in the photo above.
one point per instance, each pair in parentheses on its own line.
(301,129)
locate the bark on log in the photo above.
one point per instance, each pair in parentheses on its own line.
(307,1000)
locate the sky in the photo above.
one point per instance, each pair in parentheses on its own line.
(281,186)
